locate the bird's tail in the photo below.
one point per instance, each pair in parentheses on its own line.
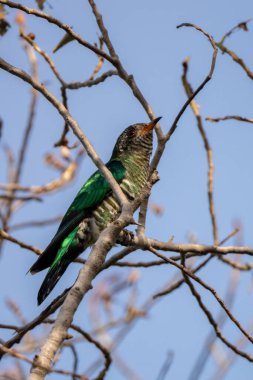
(53,276)
(68,251)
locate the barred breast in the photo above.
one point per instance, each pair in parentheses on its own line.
(137,166)
(109,209)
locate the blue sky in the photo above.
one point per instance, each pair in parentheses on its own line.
(152,49)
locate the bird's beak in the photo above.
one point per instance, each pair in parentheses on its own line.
(148,127)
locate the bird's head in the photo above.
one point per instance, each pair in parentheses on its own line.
(135,138)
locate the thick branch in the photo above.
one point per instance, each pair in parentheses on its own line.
(82,285)
(18,355)
(190,249)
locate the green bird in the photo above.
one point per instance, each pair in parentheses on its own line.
(95,205)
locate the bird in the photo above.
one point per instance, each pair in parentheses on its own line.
(95,205)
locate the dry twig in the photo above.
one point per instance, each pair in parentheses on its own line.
(186,273)
(234,117)
(195,109)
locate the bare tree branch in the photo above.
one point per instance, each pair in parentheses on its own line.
(208,149)
(71,122)
(212,321)
(18,355)
(91,82)
(234,117)
(188,273)
(53,20)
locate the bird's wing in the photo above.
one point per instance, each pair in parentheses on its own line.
(89,196)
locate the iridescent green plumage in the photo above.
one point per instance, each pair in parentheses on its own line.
(95,205)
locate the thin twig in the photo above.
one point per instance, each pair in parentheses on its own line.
(241,26)
(91,82)
(178,283)
(212,321)
(18,355)
(99,65)
(231,358)
(118,256)
(26,136)
(232,117)
(63,140)
(75,361)
(236,59)
(35,223)
(104,351)
(202,85)
(53,20)
(237,265)
(166,366)
(209,153)
(188,273)
(65,178)
(128,78)
(9,327)
(6,236)
(19,198)
(204,354)
(22,331)
(71,122)
(163,139)
(49,60)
